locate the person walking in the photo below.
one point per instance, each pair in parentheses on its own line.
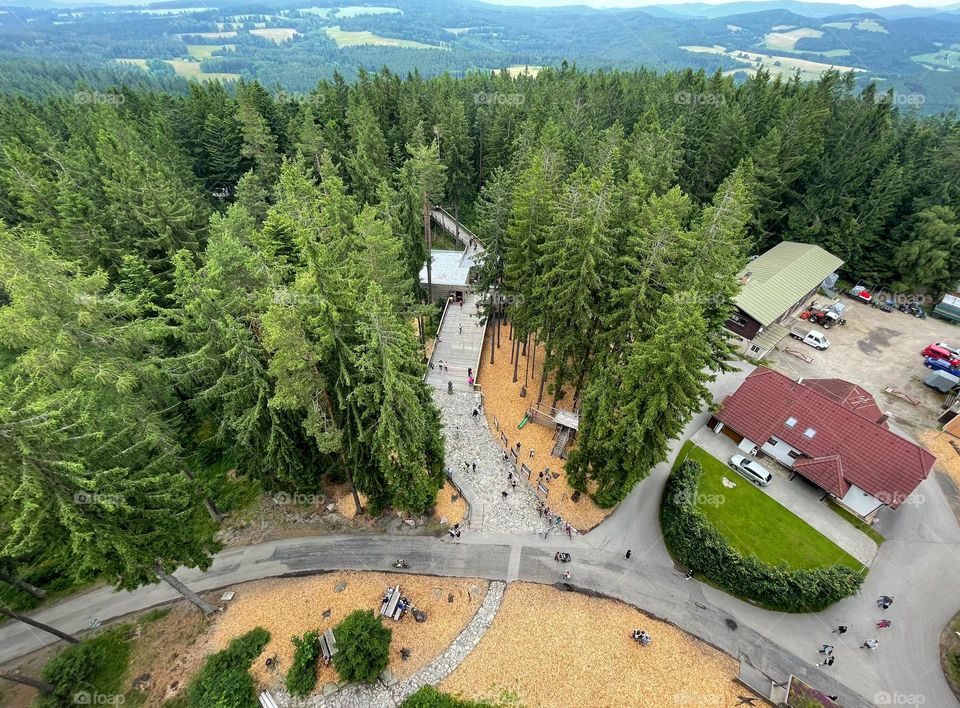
(827,662)
(504,495)
(474,466)
(461,327)
(885,601)
(870,644)
(883,623)
(825,649)
(513,483)
(566,575)
(628,554)
(841,629)
(531,452)
(569,529)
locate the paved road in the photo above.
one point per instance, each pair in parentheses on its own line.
(655,588)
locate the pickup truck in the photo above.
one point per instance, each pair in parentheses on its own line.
(807,336)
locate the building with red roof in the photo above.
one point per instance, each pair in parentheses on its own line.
(829,431)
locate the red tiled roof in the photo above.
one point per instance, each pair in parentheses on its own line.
(848,395)
(846,448)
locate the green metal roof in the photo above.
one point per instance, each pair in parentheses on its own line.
(781,276)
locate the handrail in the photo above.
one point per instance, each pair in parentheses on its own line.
(437,338)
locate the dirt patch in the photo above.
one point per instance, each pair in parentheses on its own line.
(289,607)
(576,651)
(950,654)
(876,350)
(504,407)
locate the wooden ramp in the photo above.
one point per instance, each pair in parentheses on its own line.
(461,339)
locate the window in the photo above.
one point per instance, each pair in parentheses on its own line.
(791,422)
(793,454)
(809,433)
(772,442)
(754,349)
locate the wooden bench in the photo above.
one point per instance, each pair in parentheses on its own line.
(328,646)
(267,700)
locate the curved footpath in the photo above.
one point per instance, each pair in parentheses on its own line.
(917,565)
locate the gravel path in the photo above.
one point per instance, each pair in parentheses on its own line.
(380,696)
(467,441)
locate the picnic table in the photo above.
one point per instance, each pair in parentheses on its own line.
(394,604)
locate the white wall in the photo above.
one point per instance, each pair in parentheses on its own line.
(779,451)
(860,501)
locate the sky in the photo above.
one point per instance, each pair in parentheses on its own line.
(640,3)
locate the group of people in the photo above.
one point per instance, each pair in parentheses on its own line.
(883,602)
(641,636)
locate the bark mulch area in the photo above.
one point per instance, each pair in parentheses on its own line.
(502,402)
(948,457)
(449,505)
(574,650)
(290,607)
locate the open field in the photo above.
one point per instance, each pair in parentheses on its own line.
(357,10)
(355,39)
(552,648)
(838,25)
(785,66)
(698,49)
(757,525)
(945,58)
(205,51)
(191,70)
(520,70)
(871,26)
(787,41)
(275,34)
(209,35)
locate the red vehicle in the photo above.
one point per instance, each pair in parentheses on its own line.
(935,351)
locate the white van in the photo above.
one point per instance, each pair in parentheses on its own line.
(751,469)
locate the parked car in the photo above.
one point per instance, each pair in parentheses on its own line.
(811,337)
(751,469)
(935,351)
(953,350)
(941,365)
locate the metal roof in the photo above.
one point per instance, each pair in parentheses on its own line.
(781,276)
(448,267)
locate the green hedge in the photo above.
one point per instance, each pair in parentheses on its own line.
(363,647)
(95,666)
(429,697)
(224,680)
(695,542)
(302,676)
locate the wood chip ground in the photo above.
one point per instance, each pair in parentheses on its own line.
(555,649)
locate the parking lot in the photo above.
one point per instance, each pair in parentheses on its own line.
(876,350)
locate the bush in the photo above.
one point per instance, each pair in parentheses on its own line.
(695,542)
(302,676)
(96,665)
(224,680)
(429,697)
(363,647)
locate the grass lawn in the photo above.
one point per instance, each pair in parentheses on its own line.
(192,70)
(345,38)
(205,51)
(755,524)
